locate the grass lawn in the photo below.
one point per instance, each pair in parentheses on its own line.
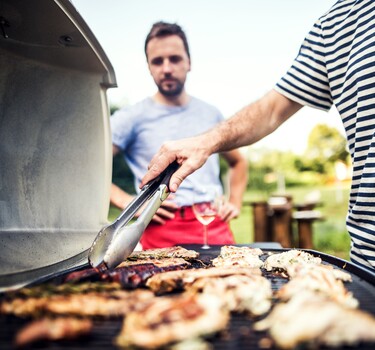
(330,235)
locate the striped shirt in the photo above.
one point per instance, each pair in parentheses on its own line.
(336,65)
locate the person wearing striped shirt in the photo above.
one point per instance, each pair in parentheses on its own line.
(335,66)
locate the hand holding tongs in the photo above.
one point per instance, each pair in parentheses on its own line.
(115,242)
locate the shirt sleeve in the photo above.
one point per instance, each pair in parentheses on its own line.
(307,80)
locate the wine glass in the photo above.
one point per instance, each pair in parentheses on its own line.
(206,207)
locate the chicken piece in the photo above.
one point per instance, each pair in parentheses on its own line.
(177,280)
(162,253)
(316,278)
(238,256)
(173,319)
(301,269)
(318,320)
(291,257)
(157,262)
(106,304)
(53,329)
(24,307)
(111,305)
(251,294)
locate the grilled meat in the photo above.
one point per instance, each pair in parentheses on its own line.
(301,269)
(53,329)
(319,279)
(178,280)
(50,289)
(229,251)
(157,262)
(131,277)
(238,256)
(162,253)
(318,320)
(88,274)
(282,261)
(105,304)
(240,293)
(173,319)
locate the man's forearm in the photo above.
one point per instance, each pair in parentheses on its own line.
(119,198)
(251,123)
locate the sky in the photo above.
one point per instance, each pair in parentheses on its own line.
(239,50)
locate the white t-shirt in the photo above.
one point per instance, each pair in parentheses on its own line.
(140,130)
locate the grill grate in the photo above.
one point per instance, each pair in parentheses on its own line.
(239,335)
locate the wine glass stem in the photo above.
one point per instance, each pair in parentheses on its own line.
(205,240)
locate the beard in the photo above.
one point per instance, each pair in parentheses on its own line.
(176,90)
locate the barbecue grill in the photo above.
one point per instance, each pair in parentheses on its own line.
(55,156)
(55,146)
(240,334)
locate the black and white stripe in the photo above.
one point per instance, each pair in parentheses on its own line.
(336,65)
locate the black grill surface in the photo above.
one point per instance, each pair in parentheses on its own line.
(239,335)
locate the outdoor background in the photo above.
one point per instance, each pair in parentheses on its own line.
(239,49)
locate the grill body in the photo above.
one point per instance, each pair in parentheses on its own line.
(55,145)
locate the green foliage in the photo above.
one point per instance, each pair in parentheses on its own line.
(122,175)
(257,181)
(325,147)
(326,143)
(113,109)
(224,167)
(316,166)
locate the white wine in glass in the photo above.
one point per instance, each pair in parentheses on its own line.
(206,207)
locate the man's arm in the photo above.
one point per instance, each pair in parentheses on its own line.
(120,199)
(237,184)
(246,127)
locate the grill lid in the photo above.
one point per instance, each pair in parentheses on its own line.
(55,144)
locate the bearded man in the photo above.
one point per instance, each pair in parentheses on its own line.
(138,132)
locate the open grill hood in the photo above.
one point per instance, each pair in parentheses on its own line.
(55,144)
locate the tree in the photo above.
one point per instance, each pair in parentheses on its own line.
(326,145)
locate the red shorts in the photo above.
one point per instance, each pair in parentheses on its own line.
(185,229)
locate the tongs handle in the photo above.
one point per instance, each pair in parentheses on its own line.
(168,172)
(147,191)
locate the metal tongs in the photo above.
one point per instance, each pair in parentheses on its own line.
(116,241)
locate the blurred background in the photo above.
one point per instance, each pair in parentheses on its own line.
(239,50)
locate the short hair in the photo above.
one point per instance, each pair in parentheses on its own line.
(163,29)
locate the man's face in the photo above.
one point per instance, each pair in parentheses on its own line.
(168,63)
